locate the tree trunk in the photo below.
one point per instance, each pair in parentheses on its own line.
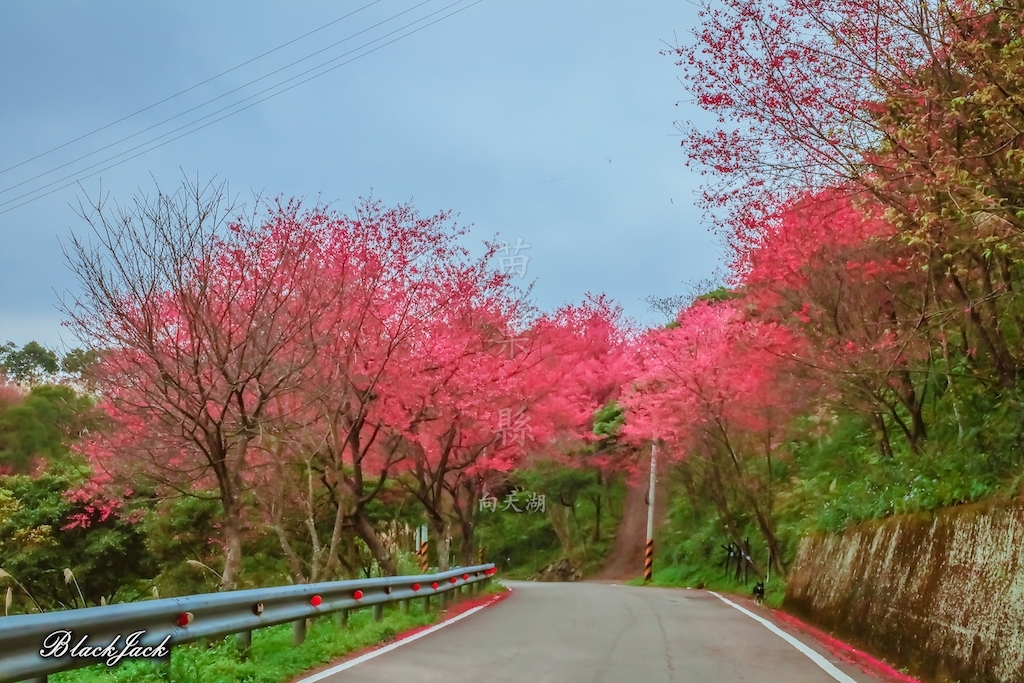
(559,516)
(232,547)
(374,543)
(467,546)
(444,549)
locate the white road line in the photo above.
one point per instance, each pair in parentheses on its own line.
(388,648)
(825,665)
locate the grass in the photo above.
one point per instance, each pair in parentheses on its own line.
(273,658)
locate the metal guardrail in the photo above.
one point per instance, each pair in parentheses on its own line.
(175,621)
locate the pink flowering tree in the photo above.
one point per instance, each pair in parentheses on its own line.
(204,320)
(720,391)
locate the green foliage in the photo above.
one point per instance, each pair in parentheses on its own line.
(33,363)
(844,479)
(79,361)
(109,560)
(837,475)
(179,531)
(29,363)
(581,514)
(608,420)
(690,549)
(41,425)
(717,295)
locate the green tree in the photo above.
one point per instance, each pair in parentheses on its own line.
(108,559)
(31,363)
(41,425)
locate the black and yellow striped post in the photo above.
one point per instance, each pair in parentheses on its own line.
(424,559)
(649,554)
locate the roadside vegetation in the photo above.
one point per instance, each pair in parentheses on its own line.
(864,356)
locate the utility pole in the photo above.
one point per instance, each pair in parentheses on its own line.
(649,555)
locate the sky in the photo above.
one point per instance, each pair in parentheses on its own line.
(549,122)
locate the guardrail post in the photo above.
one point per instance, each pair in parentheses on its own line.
(403,606)
(244,640)
(300,631)
(426,604)
(341,618)
(378,611)
(165,664)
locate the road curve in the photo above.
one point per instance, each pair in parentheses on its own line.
(601,633)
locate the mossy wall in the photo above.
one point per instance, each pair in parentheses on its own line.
(940,594)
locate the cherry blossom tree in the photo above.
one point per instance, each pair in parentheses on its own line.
(204,320)
(915,105)
(834,271)
(720,390)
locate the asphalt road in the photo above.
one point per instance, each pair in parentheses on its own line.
(600,633)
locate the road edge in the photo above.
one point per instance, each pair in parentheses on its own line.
(843,651)
(457,612)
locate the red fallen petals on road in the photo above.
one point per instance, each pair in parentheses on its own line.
(415,586)
(358,595)
(315,601)
(434,585)
(185,618)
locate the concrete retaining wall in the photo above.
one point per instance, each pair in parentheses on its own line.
(939,594)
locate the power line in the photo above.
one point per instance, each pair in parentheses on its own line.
(210,123)
(218,97)
(189,89)
(223,109)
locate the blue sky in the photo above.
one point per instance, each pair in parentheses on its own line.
(549,121)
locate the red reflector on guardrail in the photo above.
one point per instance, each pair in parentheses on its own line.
(434,585)
(465,577)
(358,595)
(185,618)
(415,586)
(454,579)
(315,601)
